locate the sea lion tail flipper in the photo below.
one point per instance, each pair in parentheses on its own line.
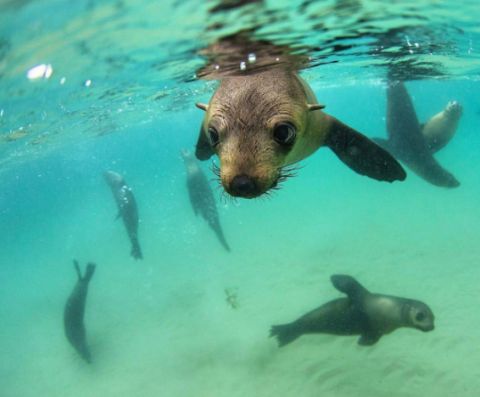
(221,237)
(349,286)
(223,241)
(429,169)
(203,149)
(89,272)
(136,251)
(285,333)
(362,155)
(77,269)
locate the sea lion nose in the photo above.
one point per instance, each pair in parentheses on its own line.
(243,186)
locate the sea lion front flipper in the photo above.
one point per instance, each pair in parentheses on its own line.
(349,286)
(362,155)
(369,338)
(385,144)
(203,149)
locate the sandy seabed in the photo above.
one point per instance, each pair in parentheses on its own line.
(162,327)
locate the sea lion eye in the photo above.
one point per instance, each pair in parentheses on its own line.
(284,134)
(213,136)
(420,316)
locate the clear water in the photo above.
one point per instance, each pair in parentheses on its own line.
(162,326)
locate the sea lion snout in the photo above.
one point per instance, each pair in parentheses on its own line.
(244,186)
(247,173)
(454,109)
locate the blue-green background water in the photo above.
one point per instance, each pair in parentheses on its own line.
(162,326)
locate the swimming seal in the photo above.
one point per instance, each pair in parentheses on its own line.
(259,124)
(201,196)
(127,209)
(441,128)
(361,313)
(75,310)
(414,145)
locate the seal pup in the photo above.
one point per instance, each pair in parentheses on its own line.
(441,128)
(362,313)
(414,145)
(264,118)
(262,123)
(127,209)
(201,196)
(75,311)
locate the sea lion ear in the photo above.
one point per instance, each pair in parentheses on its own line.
(361,154)
(315,106)
(202,106)
(203,149)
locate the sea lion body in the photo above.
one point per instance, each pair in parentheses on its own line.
(201,196)
(411,144)
(127,209)
(269,120)
(74,312)
(362,313)
(441,128)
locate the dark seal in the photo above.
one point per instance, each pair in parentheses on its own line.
(413,144)
(201,196)
(75,310)
(127,209)
(361,313)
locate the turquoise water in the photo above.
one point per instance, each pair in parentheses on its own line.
(163,326)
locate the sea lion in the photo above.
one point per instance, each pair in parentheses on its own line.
(75,310)
(127,209)
(362,313)
(259,124)
(201,196)
(412,145)
(441,128)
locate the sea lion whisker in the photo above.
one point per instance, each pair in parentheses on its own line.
(215,169)
(227,198)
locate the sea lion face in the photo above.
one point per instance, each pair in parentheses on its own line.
(113,179)
(454,110)
(252,147)
(256,131)
(420,316)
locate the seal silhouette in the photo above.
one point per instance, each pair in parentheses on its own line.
(74,312)
(259,124)
(361,313)
(201,196)
(414,144)
(127,209)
